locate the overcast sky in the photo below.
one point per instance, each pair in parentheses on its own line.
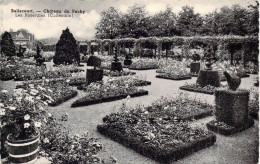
(83,25)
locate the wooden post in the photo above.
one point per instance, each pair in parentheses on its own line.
(232,56)
(109,48)
(89,48)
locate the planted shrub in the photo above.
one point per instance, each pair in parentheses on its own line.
(94,75)
(7,44)
(94,61)
(66,49)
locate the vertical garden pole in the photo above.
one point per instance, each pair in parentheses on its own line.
(89,47)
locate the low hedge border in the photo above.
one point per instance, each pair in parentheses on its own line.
(6,78)
(140,69)
(71,94)
(253,73)
(86,102)
(197,116)
(246,75)
(171,78)
(143,83)
(118,74)
(77,81)
(229,130)
(162,156)
(194,75)
(196,90)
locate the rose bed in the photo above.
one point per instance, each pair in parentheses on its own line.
(157,135)
(114,73)
(194,88)
(85,101)
(63,97)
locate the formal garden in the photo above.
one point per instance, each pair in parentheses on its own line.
(182,98)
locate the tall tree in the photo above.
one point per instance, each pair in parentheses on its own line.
(134,23)
(163,24)
(253,19)
(7,44)
(189,23)
(66,49)
(108,27)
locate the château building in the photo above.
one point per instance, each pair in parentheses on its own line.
(22,37)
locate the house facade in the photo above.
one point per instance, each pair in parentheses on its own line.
(22,37)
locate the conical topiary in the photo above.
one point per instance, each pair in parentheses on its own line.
(66,49)
(7,44)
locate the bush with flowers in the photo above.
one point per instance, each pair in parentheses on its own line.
(160,131)
(22,114)
(59,146)
(24,111)
(99,93)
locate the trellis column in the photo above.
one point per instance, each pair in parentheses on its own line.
(89,47)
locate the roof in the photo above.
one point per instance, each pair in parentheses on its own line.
(20,33)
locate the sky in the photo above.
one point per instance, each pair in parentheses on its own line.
(83,25)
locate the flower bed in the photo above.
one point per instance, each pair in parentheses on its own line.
(77,81)
(87,100)
(156,131)
(98,93)
(116,73)
(174,70)
(63,96)
(58,91)
(129,81)
(122,81)
(225,66)
(144,64)
(196,88)
(6,73)
(173,77)
(58,145)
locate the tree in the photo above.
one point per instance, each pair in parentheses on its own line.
(108,27)
(164,24)
(253,19)
(189,23)
(66,49)
(7,44)
(135,23)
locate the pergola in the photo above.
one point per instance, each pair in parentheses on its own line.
(230,42)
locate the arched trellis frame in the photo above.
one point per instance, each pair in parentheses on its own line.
(226,41)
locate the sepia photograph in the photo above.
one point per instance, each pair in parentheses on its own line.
(129,81)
